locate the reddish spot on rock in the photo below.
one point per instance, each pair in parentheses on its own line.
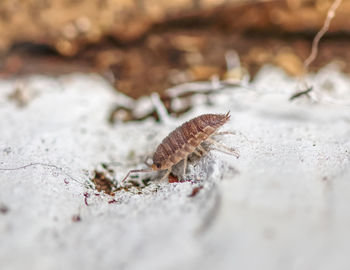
(173,179)
(195,191)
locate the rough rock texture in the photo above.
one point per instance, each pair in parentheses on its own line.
(282,205)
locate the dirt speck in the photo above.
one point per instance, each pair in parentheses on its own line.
(3,209)
(195,191)
(76,218)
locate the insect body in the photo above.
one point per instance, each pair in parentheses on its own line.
(185,140)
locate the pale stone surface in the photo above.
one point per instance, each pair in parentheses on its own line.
(282,205)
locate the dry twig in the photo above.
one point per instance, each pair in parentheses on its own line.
(320,34)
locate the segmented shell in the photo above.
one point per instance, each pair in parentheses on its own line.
(183,140)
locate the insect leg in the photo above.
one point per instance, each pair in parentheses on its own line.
(225,133)
(232,151)
(226,151)
(146,161)
(185,165)
(230,133)
(165,175)
(195,151)
(204,152)
(133,171)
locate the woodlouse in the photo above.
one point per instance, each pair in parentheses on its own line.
(185,140)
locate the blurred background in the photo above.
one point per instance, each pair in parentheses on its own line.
(142,46)
(284,202)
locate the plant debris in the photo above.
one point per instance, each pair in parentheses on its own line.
(301,93)
(112,201)
(103,183)
(86,196)
(146,182)
(22,95)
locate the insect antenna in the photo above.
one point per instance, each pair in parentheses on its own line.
(134,171)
